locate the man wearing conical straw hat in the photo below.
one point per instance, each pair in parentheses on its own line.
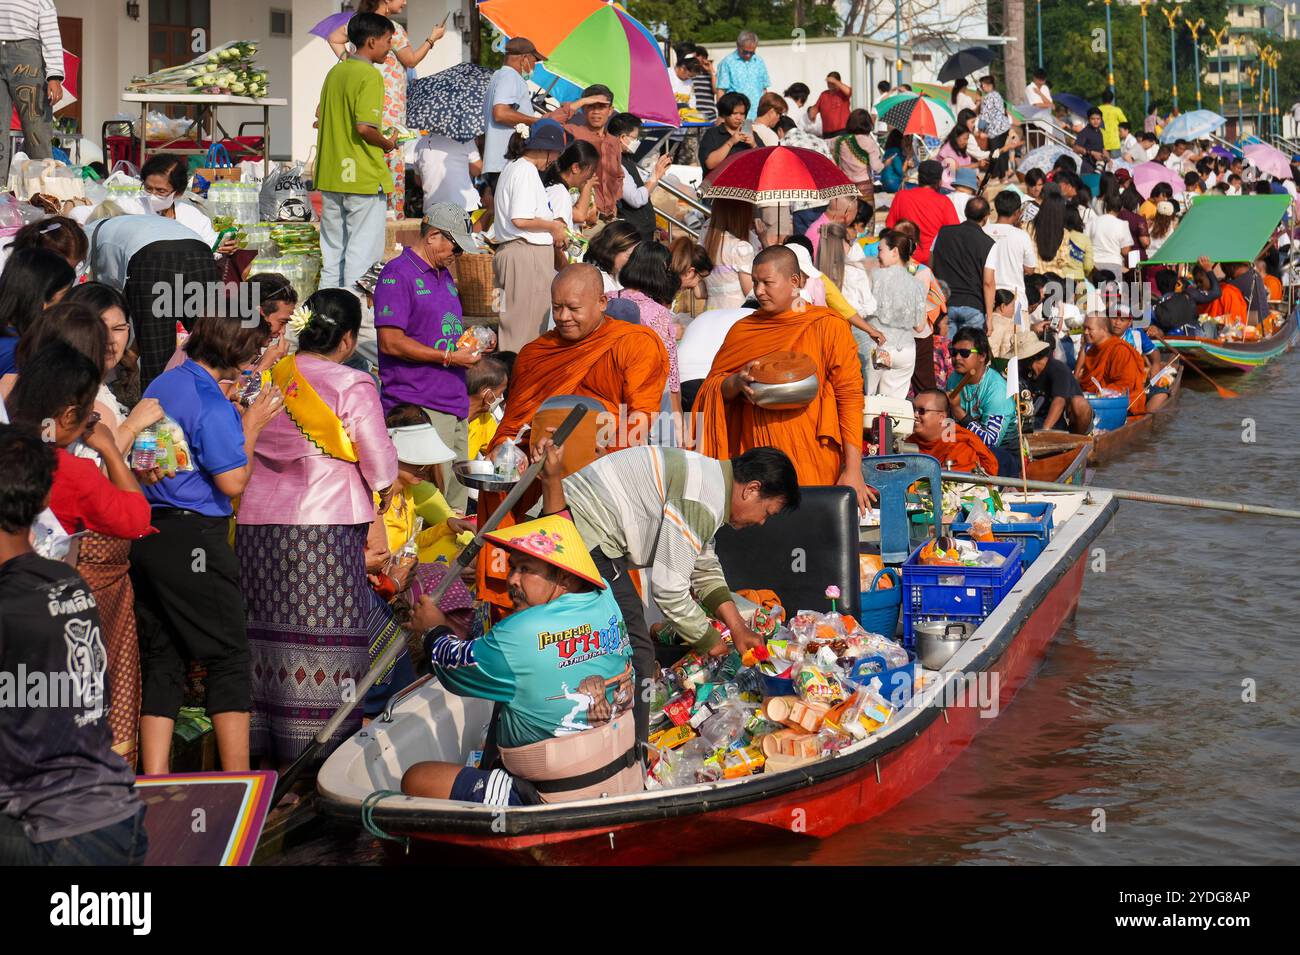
(560,666)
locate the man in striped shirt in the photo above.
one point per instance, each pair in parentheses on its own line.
(31,74)
(658,508)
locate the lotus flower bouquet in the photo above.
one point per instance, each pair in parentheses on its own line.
(227,69)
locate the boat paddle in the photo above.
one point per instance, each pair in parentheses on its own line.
(1223,392)
(463,560)
(1123,494)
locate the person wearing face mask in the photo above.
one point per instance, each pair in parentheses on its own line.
(635,205)
(485,383)
(508,104)
(162,182)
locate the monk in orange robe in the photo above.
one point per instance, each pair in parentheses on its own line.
(623,367)
(1113,362)
(824,440)
(936,434)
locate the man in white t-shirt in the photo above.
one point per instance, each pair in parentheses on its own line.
(1110,237)
(1013,255)
(883,91)
(1130,149)
(700,344)
(446,169)
(1038,93)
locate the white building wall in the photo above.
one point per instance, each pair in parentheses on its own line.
(861,63)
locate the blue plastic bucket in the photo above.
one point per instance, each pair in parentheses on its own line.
(878,609)
(1110,413)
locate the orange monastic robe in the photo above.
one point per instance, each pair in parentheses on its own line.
(814,437)
(621,365)
(965,451)
(1116,364)
(1230,304)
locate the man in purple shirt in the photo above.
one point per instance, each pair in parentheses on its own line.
(418,321)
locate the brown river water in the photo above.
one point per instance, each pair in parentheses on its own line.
(1137,708)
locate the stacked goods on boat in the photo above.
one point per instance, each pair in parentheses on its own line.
(820,684)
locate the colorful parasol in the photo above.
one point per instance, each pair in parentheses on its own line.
(777,174)
(1197,124)
(589,41)
(912,113)
(1147,174)
(449,103)
(325,29)
(1269,159)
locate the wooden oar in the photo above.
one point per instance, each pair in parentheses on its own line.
(463,560)
(1223,392)
(964,478)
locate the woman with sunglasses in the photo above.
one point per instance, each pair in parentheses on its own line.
(977,394)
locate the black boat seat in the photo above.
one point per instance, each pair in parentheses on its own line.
(798,555)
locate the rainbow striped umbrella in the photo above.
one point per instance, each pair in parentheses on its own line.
(590,41)
(916,114)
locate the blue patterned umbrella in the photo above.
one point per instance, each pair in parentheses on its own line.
(1044,158)
(450,103)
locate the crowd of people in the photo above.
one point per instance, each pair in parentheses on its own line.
(308,484)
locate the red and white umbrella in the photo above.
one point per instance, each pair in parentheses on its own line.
(777,174)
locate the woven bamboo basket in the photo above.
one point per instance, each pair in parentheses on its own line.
(476,284)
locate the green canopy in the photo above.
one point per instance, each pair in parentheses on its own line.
(1225,228)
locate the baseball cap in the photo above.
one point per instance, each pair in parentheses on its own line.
(547,134)
(522,46)
(453,220)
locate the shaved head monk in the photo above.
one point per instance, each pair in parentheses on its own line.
(624,367)
(824,439)
(936,434)
(1113,363)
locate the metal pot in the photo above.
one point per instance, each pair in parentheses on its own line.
(786,395)
(938,640)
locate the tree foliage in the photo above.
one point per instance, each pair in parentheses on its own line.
(710,21)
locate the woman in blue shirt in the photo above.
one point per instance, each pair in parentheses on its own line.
(977,394)
(186,577)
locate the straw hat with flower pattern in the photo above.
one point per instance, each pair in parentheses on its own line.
(553,539)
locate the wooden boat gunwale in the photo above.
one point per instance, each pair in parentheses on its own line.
(1217,355)
(500,830)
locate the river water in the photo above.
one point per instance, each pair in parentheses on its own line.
(1137,708)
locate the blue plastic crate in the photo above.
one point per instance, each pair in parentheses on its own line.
(1035,535)
(896,684)
(957,593)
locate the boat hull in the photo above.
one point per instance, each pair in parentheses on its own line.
(1068,466)
(818,800)
(1108,445)
(1239,357)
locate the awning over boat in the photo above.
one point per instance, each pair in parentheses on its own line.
(1225,228)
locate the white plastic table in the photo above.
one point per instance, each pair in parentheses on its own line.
(207,104)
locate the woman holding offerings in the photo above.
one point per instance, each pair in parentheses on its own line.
(303,522)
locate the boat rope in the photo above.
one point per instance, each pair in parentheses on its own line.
(368,817)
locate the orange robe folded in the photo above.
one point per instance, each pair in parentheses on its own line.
(965,451)
(814,437)
(1116,364)
(621,365)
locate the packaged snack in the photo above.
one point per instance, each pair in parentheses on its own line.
(508,462)
(679,708)
(672,738)
(479,338)
(789,742)
(815,685)
(742,762)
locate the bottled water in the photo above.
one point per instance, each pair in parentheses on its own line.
(144,452)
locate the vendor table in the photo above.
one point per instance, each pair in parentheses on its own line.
(207,105)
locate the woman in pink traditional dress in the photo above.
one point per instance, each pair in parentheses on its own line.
(303,523)
(402,58)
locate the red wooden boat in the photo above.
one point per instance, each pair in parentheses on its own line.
(1057,456)
(816,800)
